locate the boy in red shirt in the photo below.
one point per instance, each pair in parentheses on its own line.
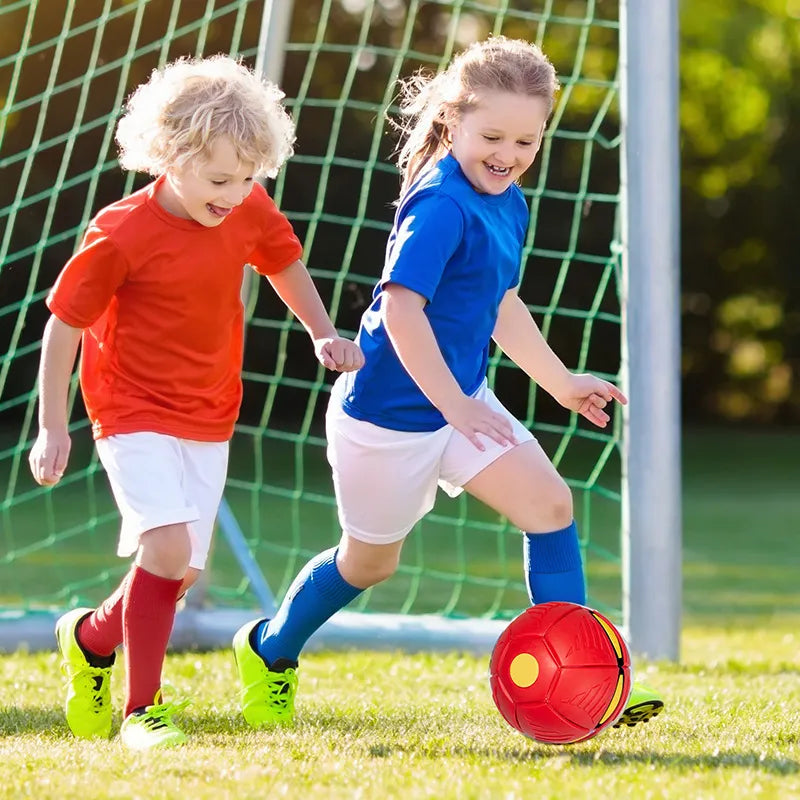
(153,295)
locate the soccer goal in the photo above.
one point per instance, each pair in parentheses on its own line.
(599,273)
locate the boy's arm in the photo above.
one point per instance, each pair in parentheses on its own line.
(48,457)
(295,287)
(520,339)
(415,344)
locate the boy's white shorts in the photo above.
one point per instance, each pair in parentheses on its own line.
(161,480)
(386,480)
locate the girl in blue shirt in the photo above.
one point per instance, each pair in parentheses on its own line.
(419,413)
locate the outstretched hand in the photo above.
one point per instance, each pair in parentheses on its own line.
(339,354)
(589,396)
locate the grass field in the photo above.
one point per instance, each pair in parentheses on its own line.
(377,725)
(399,726)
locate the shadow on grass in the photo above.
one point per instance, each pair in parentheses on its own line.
(33,719)
(408,738)
(730,759)
(438,742)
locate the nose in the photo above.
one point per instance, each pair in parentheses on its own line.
(506,153)
(237,195)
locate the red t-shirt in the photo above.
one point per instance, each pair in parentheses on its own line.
(159,299)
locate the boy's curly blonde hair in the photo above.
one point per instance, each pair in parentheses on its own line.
(186,106)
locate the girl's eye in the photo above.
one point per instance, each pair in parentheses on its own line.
(525,144)
(491,138)
(219,183)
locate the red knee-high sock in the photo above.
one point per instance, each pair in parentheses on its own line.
(148,613)
(101,632)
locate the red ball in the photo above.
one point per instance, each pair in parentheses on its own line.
(560,673)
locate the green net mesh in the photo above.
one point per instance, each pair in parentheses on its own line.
(65,69)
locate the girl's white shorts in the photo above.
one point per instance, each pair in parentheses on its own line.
(160,480)
(386,480)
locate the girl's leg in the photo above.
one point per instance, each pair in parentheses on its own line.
(326,584)
(524,486)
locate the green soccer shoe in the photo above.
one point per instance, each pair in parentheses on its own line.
(88,701)
(267,691)
(152,727)
(643,705)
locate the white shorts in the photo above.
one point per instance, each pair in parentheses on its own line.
(160,480)
(386,480)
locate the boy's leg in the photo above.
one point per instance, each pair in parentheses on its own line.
(148,613)
(100,633)
(87,705)
(169,488)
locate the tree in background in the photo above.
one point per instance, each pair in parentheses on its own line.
(740,150)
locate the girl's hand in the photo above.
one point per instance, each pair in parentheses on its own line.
(471,416)
(339,354)
(48,456)
(588,396)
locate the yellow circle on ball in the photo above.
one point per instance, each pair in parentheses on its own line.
(524,670)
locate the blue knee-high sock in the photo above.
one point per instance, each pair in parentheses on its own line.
(318,592)
(553,568)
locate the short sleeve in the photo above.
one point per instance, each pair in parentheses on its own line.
(277,246)
(88,281)
(427,233)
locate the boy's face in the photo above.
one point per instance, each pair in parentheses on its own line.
(497,140)
(207,190)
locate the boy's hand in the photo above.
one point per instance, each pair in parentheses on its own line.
(589,395)
(48,456)
(339,354)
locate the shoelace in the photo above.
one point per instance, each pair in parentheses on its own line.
(160,716)
(97,679)
(278,689)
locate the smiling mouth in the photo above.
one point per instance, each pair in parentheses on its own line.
(501,172)
(218,211)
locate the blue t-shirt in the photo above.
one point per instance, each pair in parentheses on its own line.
(461,251)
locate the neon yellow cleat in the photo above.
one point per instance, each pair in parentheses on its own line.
(152,727)
(88,702)
(267,692)
(643,705)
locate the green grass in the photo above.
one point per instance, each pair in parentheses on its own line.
(383,725)
(423,726)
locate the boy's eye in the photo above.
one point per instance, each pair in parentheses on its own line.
(490,138)
(219,183)
(525,143)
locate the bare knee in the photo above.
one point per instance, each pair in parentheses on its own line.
(363,565)
(165,551)
(189,580)
(550,508)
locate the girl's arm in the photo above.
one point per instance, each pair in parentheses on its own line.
(295,287)
(48,457)
(415,344)
(520,339)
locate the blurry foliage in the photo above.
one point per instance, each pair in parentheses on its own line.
(740,154)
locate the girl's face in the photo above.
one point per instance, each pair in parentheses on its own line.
(207,190)
(497,140)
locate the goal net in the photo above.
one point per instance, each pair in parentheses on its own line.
(65,70)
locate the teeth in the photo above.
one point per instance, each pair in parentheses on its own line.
(498,170)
